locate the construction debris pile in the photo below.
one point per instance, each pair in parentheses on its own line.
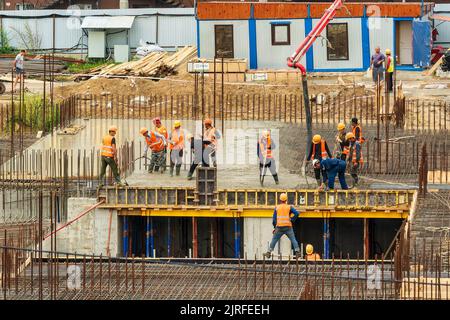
(155,64)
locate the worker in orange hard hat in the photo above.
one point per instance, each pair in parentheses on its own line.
(310,255)
(157,144)
(284,216)
(355,157)
(176,146)
(109,156)
(318,150)
(162,130)
(265,148)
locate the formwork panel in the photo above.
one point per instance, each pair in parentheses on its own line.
(251,198)
(121,196)
(231,198)
(271,198)
(131,196)
(151,196)
(171,197)
(162,196)
(361,199)
(111,195)
(241,198)
(141,196)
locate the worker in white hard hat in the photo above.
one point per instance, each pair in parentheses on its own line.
(109,156)
(176,146)
(284,216)
(265,148)
(310,254)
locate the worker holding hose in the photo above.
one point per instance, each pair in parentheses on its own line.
(265,149)
(283,217)
(157,144)
(109,156)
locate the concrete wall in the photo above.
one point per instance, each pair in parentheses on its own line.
(270,56)
(354,47)
(257,237)
(381,34)
(443,27)
(89,234)
(240,38)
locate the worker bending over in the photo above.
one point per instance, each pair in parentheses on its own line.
(310,255)
(283,217)
(341,145)
(319,150)
(265,147)
(109,156)
(176,146)
(157,144)
(334,167)
(355,157)
(162,130)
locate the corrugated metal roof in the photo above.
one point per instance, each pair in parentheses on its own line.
(118,22)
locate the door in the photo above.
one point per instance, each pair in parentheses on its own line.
(405,49)
(223,35)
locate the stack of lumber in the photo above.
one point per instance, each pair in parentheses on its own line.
(233,69)
(155,64)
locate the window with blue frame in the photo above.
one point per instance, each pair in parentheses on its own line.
(337,44)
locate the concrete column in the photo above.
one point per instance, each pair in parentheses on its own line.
(123,4)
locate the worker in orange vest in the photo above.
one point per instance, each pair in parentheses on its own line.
(341,145)
(210,137)
(157,144)
(319,150)
(176,146)
(162,130)
(357,131)
(310,255)
(355,157)
(283,217)
(109,156)
(265,148)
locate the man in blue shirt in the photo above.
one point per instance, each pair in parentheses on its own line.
(283,217)
(376,63)
(335,167)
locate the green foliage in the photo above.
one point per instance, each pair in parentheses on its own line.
(4,42)
(89,64)
(31,113)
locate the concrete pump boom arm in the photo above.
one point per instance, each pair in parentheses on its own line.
(294,60)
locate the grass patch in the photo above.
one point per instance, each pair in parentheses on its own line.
(89,64)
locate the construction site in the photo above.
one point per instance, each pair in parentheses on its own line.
(67,234)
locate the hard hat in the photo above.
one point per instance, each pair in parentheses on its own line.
(316,139)
(341,126)
(156,120)
(177,124)
(143,130)
(112,128)
(355,120)
(349,135)
(266,133)
(309,249)
(208,121)
(315,162)
(388,51)
(283,197)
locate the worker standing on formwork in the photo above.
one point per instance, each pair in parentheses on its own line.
(157,144)
(210,136)
(319,150)
(283,217)
(109,156)
(355,157)
(333,168)
(162,131)
(357,131)
(341,145)
(176,146)
(264,148)
(310,255)
(389,70)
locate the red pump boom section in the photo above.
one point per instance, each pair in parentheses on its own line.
(294,60)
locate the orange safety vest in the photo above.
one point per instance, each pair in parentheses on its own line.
(209,135)
(313,257)
(361,138)
(107,148)
(322,148)
(177,139)
(155,143)
(266,152)
(283,215)
(354,155)
(163,131)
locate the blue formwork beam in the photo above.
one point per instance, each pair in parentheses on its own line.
(237,238)
(148,251)
(125,236)
(168,237)
(152,239)
(326,238)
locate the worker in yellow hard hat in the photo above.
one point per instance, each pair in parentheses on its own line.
(265,148)
(310,255)
(389,70)
(176,146)
(109,156)
(355,157)
(284,216)
(319,150)
(340,142)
